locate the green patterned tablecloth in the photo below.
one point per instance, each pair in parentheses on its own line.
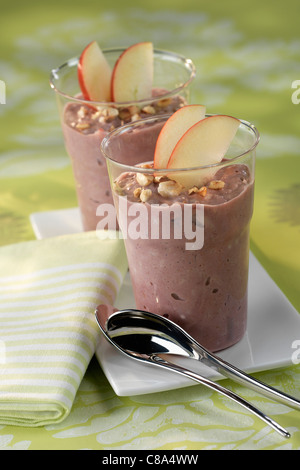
(247,58)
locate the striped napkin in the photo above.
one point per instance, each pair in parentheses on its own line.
(49,290)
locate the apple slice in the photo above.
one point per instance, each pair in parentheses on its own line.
(173,129)
(94,74)
(132,76)
(203,144)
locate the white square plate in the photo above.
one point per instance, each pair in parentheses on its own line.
(273,326)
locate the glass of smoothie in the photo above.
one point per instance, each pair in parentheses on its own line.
(85,120)
(186,229)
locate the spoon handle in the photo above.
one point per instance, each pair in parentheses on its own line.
(241,377)
(224,391)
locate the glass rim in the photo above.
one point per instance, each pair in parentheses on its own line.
(187,63)
(162,171)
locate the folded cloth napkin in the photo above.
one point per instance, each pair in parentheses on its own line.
(49,290)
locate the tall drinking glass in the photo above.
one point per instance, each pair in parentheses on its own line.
(187,248)
(85,123)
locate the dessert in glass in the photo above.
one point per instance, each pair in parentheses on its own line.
(185,218)
(102,90)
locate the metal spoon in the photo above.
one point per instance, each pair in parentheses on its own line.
(148,337)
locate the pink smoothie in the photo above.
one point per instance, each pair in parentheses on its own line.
(203,290)
(84,128)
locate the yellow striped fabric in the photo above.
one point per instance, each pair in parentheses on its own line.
(48,293)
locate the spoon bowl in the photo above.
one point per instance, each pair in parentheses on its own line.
(144,333)
(154,339)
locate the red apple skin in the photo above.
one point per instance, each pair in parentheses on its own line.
(80,73)
(112,93)
(174,117)
(204,144)
(180,140)
(94,74)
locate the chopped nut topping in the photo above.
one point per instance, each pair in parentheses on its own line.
(137,192)
(82,112)
(169,188)
(202,191)
(105,114)
(100,110)
(148,110)
(110,113)
(125,114)
(216,184)
(134,110)
(135,117)
(82,126)
(158,179)
(145,194)
(164,102)
(193,190)
(96,115)
(144,180)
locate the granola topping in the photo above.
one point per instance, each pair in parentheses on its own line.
(164,102)
(82,112)
(226,184)
(169,188)
(137,192)
(149,110)
(145,194)
(144,180)
(135,117)
(89,119)
(216,184)
(158,179)
(202,191)
(125,114)
(82,125)
(193,190)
